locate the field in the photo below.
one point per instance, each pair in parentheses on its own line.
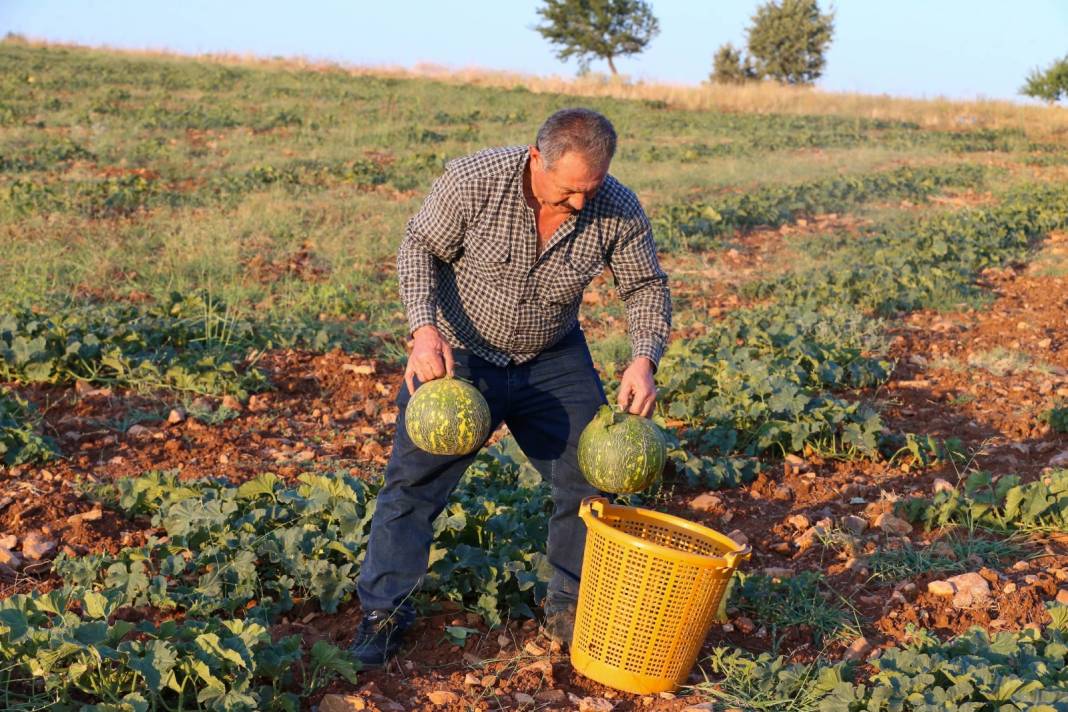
(201,340)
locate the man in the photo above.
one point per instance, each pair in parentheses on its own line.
(492,270)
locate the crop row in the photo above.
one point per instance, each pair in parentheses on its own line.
(19,438)
(778,377)
(231,561)
(699,225)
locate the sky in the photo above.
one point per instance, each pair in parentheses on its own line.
(962,49)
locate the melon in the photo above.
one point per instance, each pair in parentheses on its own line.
(447,416)
(621,453)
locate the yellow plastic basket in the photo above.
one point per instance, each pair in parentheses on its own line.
(650,589)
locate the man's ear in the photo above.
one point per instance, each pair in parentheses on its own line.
(535,159)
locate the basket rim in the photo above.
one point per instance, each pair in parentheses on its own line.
(593,508)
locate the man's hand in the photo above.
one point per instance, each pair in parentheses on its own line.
(431,357)
(637,390)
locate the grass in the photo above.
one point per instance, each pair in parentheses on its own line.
(955,553)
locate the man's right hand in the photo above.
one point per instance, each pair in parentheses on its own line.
(431,357)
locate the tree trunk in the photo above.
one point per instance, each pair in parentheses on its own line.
(612,66)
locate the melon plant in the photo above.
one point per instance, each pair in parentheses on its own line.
(447,416)
(621,453)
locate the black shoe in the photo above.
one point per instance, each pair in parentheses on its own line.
(380,635)
(559,623)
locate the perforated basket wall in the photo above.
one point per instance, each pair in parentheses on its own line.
(644,611)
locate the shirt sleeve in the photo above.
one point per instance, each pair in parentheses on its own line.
(642,286)
(434,235)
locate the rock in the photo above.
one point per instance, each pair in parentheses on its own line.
(739,537)
(9,558)
(968,589)
(707,502)
(488,680)
(231,403)
(1062,597)
(854,525)
(470,680)
(799,522)
(304,456)
(858,649)
(532,649)
(745,624)
(522,698)
(943,549)
(595,704)
(893,525)
(541,667)
(177,415)
(778,572)
(1059,460)
(551,696)
(941,485)
(782,493)
(443,697)
(1010,587)
(138,431)
(941,588)
(811,537)
(35,546)
(702,707)
(9,541)
(342,703)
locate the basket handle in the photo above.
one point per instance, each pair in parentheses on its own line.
(593,506)
(733,557)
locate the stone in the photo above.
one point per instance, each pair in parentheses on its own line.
(595,704)
(970,590)
(1062,597)
(854,525)
(551,696)
(470,680)
(707,502)
(941,485)
(782,493)
(1059,460)
(488,680)
(799,522)
(941,588)
(893,525)
(36,546)
(443,697)
(1010,587)
(138,431)
(532,649)
(745,624)
(231,403)
(778,572)
(858,649)
(522,698)
(177,415)
(342,703)
(810,538)
(9,541)
(9,558)
(702,707)
(541,667)
(739,537)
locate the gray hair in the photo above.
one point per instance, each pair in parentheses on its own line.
(583,131)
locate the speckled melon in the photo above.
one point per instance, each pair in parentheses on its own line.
(447,416)
(621,453)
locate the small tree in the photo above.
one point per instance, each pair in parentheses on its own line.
(728,66)
(606,29)
(788,39)
(1050,85)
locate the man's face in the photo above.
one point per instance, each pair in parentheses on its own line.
(568,185)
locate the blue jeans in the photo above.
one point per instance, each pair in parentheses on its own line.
(546,403)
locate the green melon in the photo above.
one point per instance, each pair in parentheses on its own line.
(621,453)
(447,416)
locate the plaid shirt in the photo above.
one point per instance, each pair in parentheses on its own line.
(468,263)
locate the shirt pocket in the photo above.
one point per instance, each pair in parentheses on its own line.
(580,264)
(486,257)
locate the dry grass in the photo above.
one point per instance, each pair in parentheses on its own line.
(1042,122)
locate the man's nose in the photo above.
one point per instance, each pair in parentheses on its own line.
(577,201)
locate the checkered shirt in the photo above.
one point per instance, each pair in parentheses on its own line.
(468,263)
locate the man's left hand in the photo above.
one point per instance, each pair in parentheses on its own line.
(637,389)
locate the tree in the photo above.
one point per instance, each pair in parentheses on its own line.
(1050,85)
(606,29)
(728,66)
(788,39)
